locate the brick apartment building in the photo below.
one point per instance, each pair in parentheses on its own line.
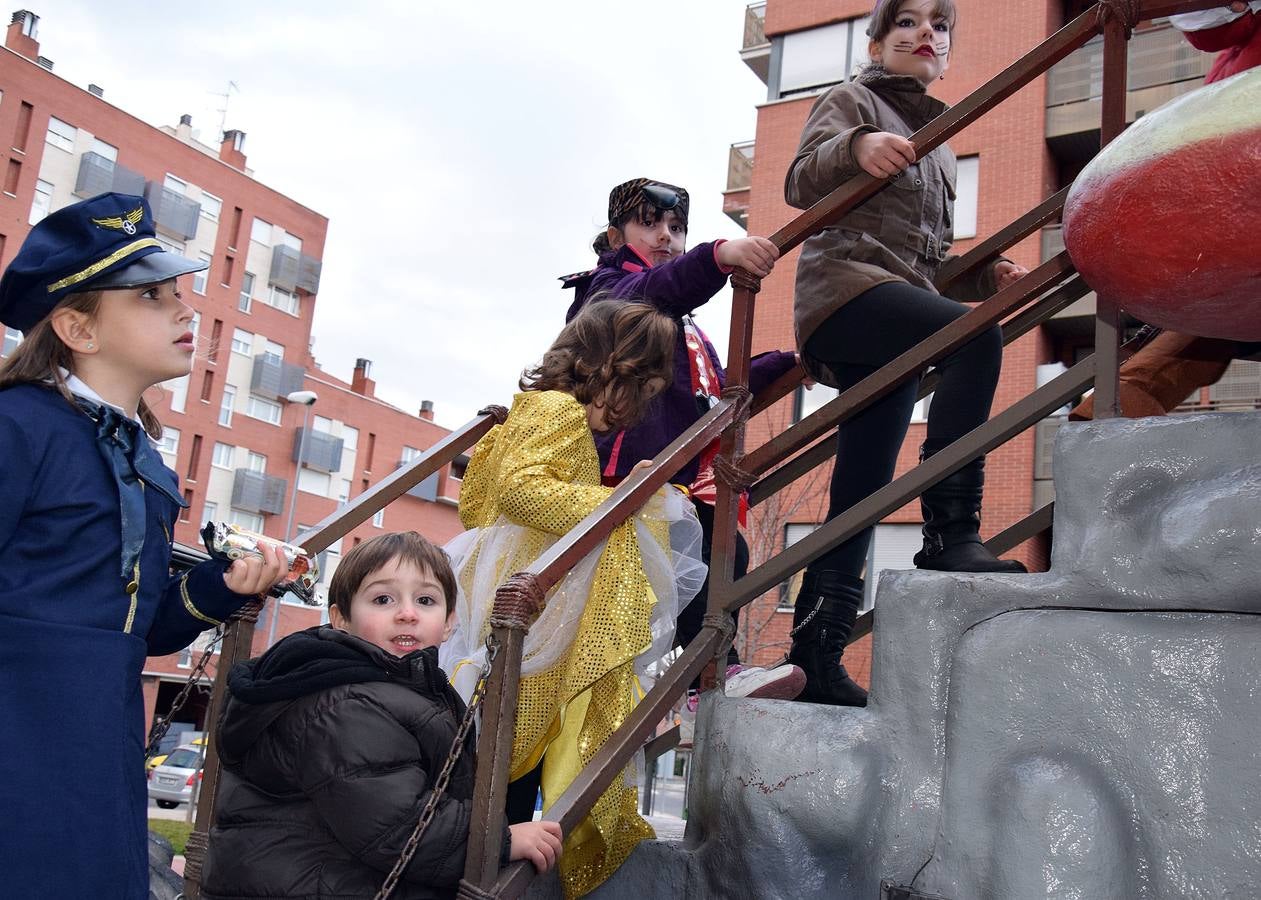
(1009,161)
(229,431)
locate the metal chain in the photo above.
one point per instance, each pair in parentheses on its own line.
(162,724)
(440,786)
(818,604)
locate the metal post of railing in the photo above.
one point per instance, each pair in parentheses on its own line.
(1108,316)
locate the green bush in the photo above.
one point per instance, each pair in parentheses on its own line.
(174,831)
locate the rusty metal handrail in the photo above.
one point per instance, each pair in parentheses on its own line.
(724,594)
(239,637)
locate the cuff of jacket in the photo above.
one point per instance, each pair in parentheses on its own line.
(726,270)
(766,367)
(206,597)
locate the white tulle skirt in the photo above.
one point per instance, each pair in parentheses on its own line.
(480,558)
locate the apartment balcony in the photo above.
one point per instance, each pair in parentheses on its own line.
(174,214)
(1162,66)
(292,270)
(735,199)
(756,49)
(318,450)
(275,379)
(100,175)
(258,492)
(427,489)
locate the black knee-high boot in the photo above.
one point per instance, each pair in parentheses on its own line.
(827,605)
(952,523)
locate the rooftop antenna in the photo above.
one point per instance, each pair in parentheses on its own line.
(223,111)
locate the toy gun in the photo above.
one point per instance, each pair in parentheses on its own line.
(231,542)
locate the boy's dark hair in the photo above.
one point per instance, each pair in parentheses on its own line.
(371,555)
(611,349)
(886,13)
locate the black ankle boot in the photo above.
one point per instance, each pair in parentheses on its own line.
(952,522)
(827,605)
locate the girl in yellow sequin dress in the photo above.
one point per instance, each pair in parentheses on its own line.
(529,482)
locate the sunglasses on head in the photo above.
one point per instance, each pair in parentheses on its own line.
(660,196)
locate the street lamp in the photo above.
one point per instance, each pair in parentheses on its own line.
(307,399)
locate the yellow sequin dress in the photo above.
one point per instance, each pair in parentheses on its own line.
(530,481)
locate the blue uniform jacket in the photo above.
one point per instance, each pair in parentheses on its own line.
(72,646)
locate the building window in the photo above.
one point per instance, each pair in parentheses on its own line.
(822,56)
(256,462)
(258,408)
(967,190)
(178,185)
(920,411)
(246,299)
(283,300)
(242,342)
(108,151)
(247,520)
(201,278)
(222,455)
(179,393)
(378,518)
(186,659)
(225,406)
(274,352)
(211,206)
(260,232)
(410,455)
(322,424)
(61,134)
(892,547)
(343,492)
(312,482)
(170,443)
(12,337)
(209,512)
(789,589)
(176,247)
(350,437)
(292,241)
(42,205)
(808,401)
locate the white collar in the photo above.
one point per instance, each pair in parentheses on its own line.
(80,387)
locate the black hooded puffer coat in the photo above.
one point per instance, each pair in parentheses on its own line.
(330,747)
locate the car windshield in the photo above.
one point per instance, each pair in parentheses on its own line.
(184,758)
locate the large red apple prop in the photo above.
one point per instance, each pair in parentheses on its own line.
(1166,220)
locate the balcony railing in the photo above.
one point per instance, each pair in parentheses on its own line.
(274,378)
(1157,56)
(258,492)
(292,270)
(173,213)
(754,26)
(320,451)
(740,166)
(99,175)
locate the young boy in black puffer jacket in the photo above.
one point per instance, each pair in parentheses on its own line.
(331,741)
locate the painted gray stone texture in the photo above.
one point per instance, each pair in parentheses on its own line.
(1091,732)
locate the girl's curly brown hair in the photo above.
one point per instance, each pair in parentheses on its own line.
(611,353)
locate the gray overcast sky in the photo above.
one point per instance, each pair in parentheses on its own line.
(462,151)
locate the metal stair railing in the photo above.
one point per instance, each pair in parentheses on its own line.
(482,874)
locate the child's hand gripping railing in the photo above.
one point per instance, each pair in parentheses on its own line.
(238,640)
(1115,18)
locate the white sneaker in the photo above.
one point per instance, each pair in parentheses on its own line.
(780,683)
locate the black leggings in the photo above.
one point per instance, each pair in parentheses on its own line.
(871,330)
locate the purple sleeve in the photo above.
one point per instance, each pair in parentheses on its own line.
(766,367)
(676,287)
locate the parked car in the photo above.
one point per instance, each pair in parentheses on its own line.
(158,758)
(171,783)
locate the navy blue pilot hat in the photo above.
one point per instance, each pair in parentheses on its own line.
(96,244)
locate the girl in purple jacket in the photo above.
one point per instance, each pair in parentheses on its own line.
(642,259)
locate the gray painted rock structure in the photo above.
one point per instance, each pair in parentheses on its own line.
(1090,732)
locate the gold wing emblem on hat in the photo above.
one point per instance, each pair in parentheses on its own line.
(126,223)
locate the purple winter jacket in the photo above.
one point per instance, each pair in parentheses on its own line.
(676,288)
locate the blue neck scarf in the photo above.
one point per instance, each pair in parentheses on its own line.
(135,465)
